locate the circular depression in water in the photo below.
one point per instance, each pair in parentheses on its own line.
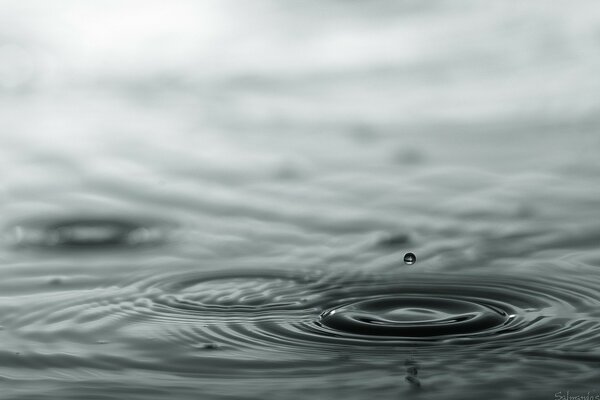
(477,309)
(416,316)
(86,232)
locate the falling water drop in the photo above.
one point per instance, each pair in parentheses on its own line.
(410,258)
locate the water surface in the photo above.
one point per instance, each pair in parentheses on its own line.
(223,209)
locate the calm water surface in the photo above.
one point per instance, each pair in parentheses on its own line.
(228,217)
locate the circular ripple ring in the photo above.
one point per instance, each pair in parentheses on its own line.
(411,316)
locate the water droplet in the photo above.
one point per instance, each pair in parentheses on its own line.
(410,258)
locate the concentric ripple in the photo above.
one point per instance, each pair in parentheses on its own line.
(276,319)
(86,233)
(458,309)
(217,295)
(407,316)
(303,313)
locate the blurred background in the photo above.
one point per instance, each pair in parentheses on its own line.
(343,117)
(241,86)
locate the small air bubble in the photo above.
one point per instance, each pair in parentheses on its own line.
(410,258)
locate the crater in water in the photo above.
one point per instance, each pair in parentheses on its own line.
(456,309)
(86,233)
(416,316)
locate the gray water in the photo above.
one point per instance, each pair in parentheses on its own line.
(214,200)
